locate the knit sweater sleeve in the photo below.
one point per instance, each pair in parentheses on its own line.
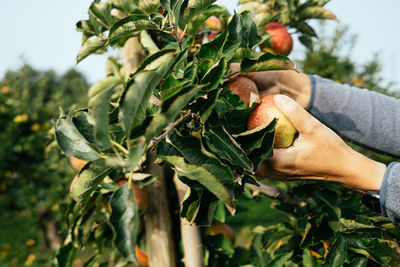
(366,118)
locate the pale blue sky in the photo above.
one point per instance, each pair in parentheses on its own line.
(42,33)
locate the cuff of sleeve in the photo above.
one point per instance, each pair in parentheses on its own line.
(312,97)
(383,190)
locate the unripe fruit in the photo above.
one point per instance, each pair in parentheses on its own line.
(221,228)
(140,195)
(77,163)
(213,23)
(264,113)
(281,42)
(245,88)
(141,256)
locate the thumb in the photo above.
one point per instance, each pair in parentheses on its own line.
(297,115)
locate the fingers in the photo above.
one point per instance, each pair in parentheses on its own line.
(297,115)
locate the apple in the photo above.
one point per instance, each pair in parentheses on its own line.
(140,195)
(264,113)
(281,42)
(77,163)
(213,23)
(221,228)
(245,88)
(141,256)
(212,35)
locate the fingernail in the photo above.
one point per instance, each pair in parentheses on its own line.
(281,100)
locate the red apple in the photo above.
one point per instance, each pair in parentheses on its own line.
(221,228)
(141,256)
(213,23)
(212,35)
(77,163)
(264,113)
(245,88)
(140,195)
(281,42)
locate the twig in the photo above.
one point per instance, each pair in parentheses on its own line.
(276,193)
(229,75)
(169,128)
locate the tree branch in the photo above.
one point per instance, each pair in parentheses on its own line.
(276,193)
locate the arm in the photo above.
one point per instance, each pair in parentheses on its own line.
(390,192)
(362,116)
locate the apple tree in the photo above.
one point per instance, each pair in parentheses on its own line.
(164,121)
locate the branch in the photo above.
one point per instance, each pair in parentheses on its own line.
(169,128)
(276,193)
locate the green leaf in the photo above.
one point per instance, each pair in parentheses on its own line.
(307,258)
(102,11)
(222,144)
(337,255)
(265,151)
(222,244)
(136,151)
(90,47)
(267,62)
(191,204)
(64,255)
(177,10)
(203,176)
(242,28)
(153,59)
(280,260)
(88,178)
(214,75)
(316,12)
(192,150)
(137,94)
(213,49)
(148,43)
(253,139)
(204,106)
(196,6)
(161,120)
(98,114)
(72,142)
(130,25)
(125,220)
(102,85)
(359,262)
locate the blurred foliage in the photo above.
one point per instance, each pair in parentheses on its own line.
(34,176)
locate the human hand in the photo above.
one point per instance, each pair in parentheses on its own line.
(294,84)
(320,154)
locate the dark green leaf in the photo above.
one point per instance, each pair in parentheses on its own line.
(136,150)
(337,254)
(130,25)
(88,179)
(242,28)
(176,9)
(214,75)
(213,49)
(267,62)
(125,220)
(359,262)
(191,204)
(253,139)
(63,255)
(90,47)
(280,260)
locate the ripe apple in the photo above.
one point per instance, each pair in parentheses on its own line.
(264,113)
(221,228)
(140,195)
(245,88)
(77,163)
(281,42)
(213,23)
(212,35)
(141,256)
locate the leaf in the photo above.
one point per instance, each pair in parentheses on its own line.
(307,258)
(176,9)
(161,120)
(265,151)
(316,12)
(196,6)
(125,220)
(204,106)
(130,25)
(242,28)
(90,47)
(203,176)
(337,255)
(191,149)
(98,114)
(214,75)
(280,260)
(222,144)
(253,139)
(72,142)
(136,151)
(267,62)
(64,255)
(148,43)
(191,204)
(138,91)
(359,262)
(102,11)
(88,179)
(213,49)
(108,82)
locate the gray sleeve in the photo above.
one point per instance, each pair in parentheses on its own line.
(359,115)
(367,118)
(390,192)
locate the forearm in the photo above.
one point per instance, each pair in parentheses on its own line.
(365,117)
(390,192)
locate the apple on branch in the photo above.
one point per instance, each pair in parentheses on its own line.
(245,88)
(264,113)
(280,42)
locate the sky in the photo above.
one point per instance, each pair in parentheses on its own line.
(42,33)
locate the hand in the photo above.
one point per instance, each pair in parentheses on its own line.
(320,154)
(294,84)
